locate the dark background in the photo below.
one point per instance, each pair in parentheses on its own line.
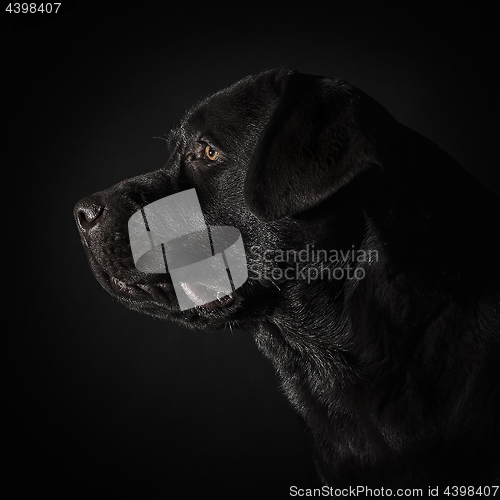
(99,398)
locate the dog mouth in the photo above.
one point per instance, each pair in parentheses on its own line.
(147,293)
(162,293)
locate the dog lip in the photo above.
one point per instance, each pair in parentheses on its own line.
(142,289)
(124,289)
(195,291)
(153,290)
(192,291)
(120,284)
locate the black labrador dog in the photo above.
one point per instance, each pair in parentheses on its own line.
(373,277)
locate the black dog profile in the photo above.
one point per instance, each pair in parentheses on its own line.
(374,282)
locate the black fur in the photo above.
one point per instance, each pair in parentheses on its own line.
(396,374)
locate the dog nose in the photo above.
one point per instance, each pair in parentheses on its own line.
(87,213)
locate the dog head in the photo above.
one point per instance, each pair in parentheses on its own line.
(295,162)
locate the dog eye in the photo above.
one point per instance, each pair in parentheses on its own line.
(211,153)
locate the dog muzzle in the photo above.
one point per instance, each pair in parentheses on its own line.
(171,236)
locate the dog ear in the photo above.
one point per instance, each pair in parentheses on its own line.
(320,136)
